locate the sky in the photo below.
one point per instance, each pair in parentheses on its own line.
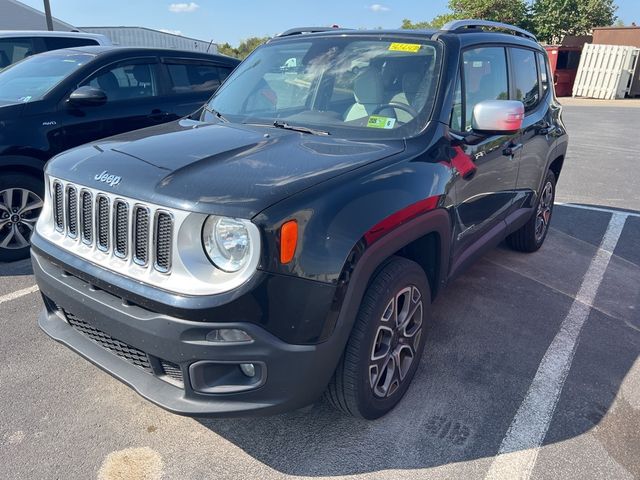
(231,21)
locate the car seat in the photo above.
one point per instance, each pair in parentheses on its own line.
(368,92)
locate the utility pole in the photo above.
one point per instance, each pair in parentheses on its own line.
(47,14)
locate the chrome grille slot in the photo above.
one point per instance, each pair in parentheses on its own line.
(72,212)
(58,206)
(141,235)
(121,228)
(163,240)
(102,223)
(87,217)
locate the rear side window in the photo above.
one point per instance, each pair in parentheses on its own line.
(126,81)
(525,73)
(56,43)
(485,78)
(544,72)
(15,49)
(194,77)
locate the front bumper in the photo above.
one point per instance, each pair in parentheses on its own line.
(159,355)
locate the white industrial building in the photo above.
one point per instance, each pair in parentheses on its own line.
(147,37)
(15,15)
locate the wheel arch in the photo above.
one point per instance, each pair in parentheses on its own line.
(22,164)
(425,240)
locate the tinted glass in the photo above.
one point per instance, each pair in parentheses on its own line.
(54,43)
(14,49)
(525,74)
(544,72)
(191,77)
(32,78)
(126,81)
(343,85)
(485,78)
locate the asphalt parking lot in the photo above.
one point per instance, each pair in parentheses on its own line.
(531,368)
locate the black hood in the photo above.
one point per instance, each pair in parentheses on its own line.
(229,169)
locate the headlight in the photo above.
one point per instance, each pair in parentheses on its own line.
(227,242)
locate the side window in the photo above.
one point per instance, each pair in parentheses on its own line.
(485,78)
(56,43)
(15,49)
(193,77)
(125,81)
(456,111)
(525,73)
(224,72)
(544,72)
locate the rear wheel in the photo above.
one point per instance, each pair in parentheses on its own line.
(531,236)
(20,204)
(385,346)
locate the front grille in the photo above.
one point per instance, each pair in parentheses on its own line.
(172,371)
(141,235)
(123,227)
(87,217)
(102,223)
(127,352)
(72,212)
(164,235)
(58,205)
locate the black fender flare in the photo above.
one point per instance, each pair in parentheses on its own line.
(364,260)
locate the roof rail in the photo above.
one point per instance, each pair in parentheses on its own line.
(301,30)
(464,24)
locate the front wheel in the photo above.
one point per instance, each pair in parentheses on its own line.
(20,204)
(385,346)
(531,236)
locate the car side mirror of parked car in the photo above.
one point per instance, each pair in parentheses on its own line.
(88,97)
(497,116)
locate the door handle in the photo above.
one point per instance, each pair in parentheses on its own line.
(546,129)
(512,149)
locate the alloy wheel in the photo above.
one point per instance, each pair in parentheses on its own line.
(396,342)
(19,210)
(543,215)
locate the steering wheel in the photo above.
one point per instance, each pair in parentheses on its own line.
(400,106)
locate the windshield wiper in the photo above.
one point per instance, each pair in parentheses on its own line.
(298,128)
(217,114)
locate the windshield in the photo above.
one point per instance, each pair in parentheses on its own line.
(350,86)
(33,77)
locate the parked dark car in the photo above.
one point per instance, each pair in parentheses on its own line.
(288,239)
(16,45)
(61,99)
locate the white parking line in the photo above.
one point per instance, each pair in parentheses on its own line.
(521,444)
(598,209)
(20,293)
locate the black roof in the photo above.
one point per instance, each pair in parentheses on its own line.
(105,50)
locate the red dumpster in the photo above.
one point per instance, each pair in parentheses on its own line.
(564,67)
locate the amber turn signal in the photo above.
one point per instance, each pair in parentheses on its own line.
(288,240)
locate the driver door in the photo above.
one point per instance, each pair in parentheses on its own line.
(487,164)
(132,88)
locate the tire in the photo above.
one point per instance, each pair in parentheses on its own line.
(20,204)
(530,237)
(367,382)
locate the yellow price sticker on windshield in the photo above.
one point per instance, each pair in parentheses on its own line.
(405,47)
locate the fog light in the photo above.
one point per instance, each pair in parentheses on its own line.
(223,335)
(249,369)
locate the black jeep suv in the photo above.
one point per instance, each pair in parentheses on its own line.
(287,239)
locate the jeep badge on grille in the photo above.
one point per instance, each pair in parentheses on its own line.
(111,180)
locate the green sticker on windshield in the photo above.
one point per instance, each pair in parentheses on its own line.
(376,121)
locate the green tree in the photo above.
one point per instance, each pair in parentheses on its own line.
(244,49)
(554,19)
(515,12)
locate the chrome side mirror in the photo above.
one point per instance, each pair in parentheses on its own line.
(498,116)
